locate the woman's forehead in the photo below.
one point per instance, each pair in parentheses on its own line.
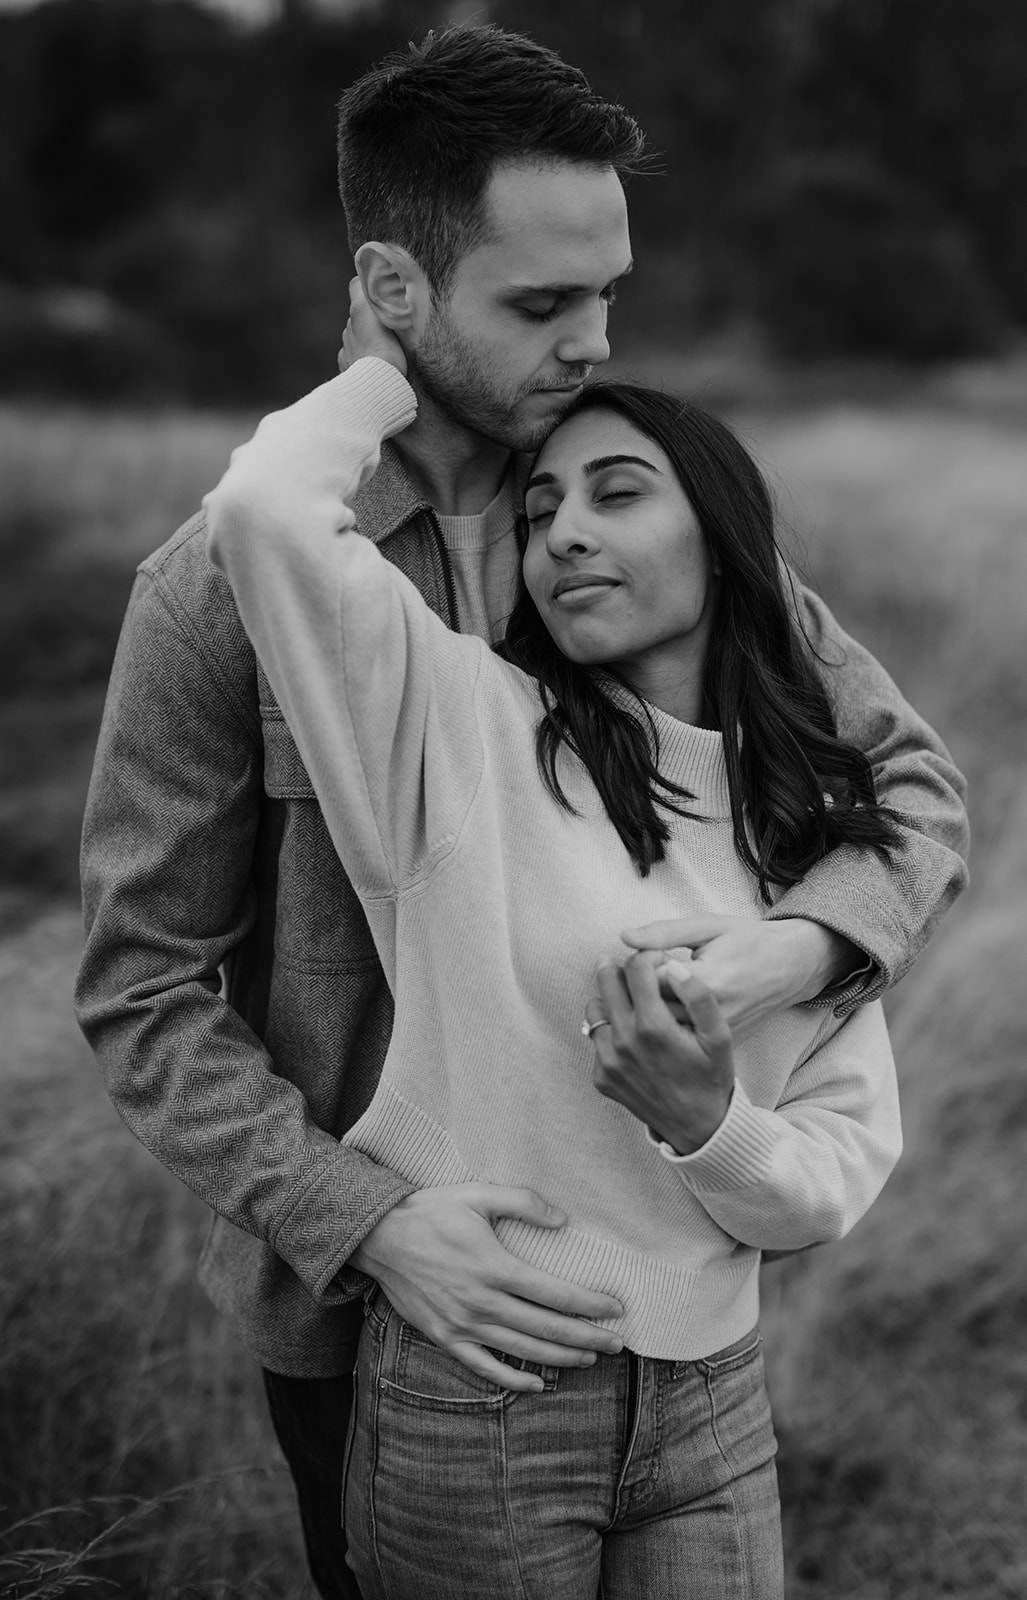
(589,435)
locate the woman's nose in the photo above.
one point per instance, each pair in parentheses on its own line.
(569,533)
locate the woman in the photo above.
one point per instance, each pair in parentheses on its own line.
(655,737)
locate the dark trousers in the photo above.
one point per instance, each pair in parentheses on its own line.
(310,1417)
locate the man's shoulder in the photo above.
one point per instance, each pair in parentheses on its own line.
(187,579)
(194,599)
(183,558)
(817,624)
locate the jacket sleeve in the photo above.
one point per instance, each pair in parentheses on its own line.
(167,853)
(805,1172)
(889,910)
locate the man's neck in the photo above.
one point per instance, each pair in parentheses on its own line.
(457,471)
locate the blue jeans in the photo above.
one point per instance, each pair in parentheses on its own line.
(633,1479)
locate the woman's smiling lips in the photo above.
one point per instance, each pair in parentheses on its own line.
(580,588)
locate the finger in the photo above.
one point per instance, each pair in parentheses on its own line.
(546,1307)
(669,975)
(614,998)
(596,1020)
(485,1365)
(675,976)
(499,1200)
(644,988)
(686,932)
(707,1018)
(515,1278)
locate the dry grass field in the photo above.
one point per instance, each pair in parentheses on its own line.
(134,1453)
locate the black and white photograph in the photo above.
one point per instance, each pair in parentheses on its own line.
(514,607)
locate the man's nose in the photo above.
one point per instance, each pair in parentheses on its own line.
(584,341)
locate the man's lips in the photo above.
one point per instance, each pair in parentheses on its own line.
(569,386)
(582,585)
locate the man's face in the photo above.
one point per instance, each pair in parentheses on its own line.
(525,321)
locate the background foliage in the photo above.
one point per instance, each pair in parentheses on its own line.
(840,176)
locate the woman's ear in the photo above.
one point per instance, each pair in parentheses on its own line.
(395,286)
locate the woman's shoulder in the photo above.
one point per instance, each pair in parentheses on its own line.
(503,683)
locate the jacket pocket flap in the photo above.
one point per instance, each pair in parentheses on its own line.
(285,776)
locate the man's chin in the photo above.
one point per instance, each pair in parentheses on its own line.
(529,433)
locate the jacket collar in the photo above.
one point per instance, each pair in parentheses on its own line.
(388,501)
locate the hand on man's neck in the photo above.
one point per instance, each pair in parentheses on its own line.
(459,472)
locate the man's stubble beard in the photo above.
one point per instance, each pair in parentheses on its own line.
(448,369)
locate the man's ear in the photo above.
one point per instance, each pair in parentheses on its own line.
(395,286)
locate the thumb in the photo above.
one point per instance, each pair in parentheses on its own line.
(677,932)
(496,1200)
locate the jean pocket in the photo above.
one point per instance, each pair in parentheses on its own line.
(733,1356)
(415,1372)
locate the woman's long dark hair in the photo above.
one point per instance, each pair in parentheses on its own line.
(797,791)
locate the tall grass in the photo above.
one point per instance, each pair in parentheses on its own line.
(132,1428)
(897,1359)
(134,1449)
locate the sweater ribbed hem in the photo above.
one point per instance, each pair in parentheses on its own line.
(673,1311)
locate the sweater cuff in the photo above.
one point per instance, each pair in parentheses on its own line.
(387,402)
(736,1155)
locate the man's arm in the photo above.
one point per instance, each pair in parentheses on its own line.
(857,922)
(887,910)
(167,853)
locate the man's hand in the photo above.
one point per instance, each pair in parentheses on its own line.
(675,1077)
(754,968)
(443,1269)
(364,335)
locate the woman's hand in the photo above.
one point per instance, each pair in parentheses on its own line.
(364,335)
(675,1077)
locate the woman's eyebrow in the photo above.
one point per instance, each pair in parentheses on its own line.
(592,467)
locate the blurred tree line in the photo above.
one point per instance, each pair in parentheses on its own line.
(845,176)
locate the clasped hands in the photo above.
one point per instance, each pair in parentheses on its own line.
(663,1048)
(663,1029)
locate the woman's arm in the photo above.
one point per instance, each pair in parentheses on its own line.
(800,1174)
(356,659)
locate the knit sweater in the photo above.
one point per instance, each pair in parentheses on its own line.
(491,908)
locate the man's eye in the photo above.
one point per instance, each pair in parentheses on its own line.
(540,313)
(609,294)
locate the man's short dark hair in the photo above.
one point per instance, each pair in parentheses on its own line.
(421,133)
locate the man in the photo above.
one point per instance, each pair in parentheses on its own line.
(482,182)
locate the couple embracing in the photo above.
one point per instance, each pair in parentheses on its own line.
(472,677)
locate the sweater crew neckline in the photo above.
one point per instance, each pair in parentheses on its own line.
(689,756)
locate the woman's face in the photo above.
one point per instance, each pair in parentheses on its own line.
(615,561)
